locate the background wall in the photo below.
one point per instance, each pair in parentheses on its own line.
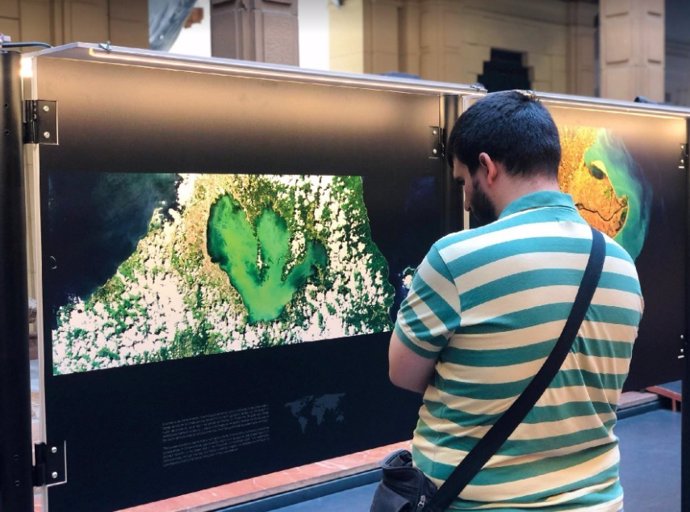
(451,40)
(447,40)
(122,22)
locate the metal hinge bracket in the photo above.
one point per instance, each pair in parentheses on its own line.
(51,464)
(683,160)
(40,122)
(436,142)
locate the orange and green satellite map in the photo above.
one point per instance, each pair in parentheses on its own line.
(589,183)
(607,184)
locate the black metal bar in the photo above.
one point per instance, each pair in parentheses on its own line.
(16,486)
(685,392)
(450,108)
(26,44)
(685,432)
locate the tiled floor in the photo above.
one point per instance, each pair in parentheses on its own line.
(650,461)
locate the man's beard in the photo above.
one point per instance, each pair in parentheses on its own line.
(481,207)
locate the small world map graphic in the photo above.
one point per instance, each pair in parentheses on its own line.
(316,411)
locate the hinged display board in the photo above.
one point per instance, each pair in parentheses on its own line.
(224,251)
(622,168)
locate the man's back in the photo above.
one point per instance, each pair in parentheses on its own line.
(504,291)
(485,309)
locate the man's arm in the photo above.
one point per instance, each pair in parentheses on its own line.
(407,369)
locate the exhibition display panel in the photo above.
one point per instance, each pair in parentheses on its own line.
(625,165)
(221,249)
(224,248)
(626,170)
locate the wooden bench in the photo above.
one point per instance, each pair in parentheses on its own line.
(670,390)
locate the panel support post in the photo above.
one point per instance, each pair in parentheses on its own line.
(685,391)
(450,111)
(16,486)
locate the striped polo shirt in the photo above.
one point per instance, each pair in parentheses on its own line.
(489,304)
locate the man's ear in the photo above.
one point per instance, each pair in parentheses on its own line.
(491,168)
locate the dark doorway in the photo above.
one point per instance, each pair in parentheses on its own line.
(504,71)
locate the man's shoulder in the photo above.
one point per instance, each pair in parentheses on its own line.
(521,225)
(465,237)
(616,250)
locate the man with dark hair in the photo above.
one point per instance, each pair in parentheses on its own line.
(486,307)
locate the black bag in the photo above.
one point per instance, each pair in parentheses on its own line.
(403,487)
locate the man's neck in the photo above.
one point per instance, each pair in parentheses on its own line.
(514,187)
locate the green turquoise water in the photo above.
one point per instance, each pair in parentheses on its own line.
(255,258)
(627,180)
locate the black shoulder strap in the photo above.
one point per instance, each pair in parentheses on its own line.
(508,422)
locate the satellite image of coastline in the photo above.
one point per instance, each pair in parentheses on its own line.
(238,262)
(607,185)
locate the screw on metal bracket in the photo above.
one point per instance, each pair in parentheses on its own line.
(50,465)
(436,142)
(40,122)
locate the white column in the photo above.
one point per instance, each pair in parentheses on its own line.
(580,55)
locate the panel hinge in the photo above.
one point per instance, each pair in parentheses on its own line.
(40,122)
(683,345)
(436,142)
(683,160)
(51,464)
